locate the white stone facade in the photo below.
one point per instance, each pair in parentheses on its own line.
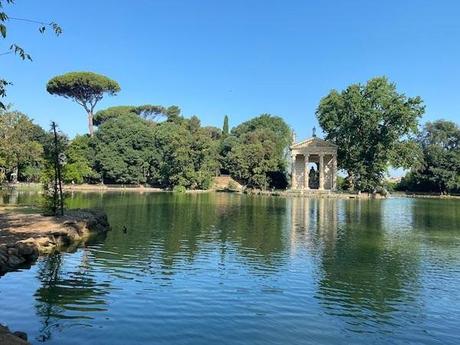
(324,155)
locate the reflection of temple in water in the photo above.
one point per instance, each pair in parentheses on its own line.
(313,221)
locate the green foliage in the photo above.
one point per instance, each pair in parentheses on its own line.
(31,173)
(85,88)
(173,113)
(255,153)
(179,189)
(225,129)
(341,183)
(123,149)
(213,132)
(185,155)
(268,123)
(146,111)
(80,160)
(390,186)
(106,114)
(439,170)
(151,112)
(21,146)
(373,126)
(130,148)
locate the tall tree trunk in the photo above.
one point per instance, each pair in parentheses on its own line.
(90,124)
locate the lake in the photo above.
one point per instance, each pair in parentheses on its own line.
(220,268)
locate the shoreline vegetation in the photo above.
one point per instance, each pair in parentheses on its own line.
(223,187)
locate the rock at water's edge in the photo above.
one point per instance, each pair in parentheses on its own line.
(76,227)
(8,338)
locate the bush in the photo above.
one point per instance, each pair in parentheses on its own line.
(179,189)
(31,173)
(341,183)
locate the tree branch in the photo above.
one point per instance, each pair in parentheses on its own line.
(56,28)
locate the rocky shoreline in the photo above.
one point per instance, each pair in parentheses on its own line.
(12,338)
(24,237)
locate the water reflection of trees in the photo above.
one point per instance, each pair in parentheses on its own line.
(257,227)
(13,196)
(67,296)
(166,229)
(364,271)
(435,215)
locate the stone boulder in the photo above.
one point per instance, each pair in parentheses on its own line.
(8,338)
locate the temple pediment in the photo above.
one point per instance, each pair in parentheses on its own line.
(313,142)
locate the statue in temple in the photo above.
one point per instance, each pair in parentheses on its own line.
(313,178)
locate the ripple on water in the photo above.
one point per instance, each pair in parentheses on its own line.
(235,270)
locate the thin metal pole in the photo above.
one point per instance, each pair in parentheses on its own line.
(58,174)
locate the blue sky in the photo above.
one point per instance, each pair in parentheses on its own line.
(240,58)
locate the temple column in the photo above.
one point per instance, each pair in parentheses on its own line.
(334,172)
(306,173)
(321,172)
(293,177)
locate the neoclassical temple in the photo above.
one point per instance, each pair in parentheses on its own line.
(314,165)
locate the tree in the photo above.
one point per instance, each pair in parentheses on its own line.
(146,111)
(255,152)
(374,127)
(85,88)
(112,112)
(123,148)
(185,155)
(173,114)
(14,48)
(80,161)
(20,144)
(151,112)
(439,170)
(213,132)
(225,129)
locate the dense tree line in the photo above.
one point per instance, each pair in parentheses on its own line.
(438,170)
(151,145)
(375,127)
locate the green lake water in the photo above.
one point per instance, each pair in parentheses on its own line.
(233,269)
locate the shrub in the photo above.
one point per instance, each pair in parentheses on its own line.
(179,189)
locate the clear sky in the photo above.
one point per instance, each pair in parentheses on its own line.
(240,57)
